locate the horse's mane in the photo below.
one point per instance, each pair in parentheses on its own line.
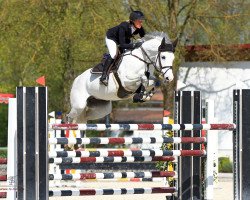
(157,34)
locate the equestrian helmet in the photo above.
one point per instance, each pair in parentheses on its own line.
(135,15)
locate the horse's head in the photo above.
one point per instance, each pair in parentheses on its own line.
(165,59)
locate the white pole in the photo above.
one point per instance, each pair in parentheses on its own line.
(11,160)
(212,143)
(53,168)
(216,154)
(52,120)
(165,121)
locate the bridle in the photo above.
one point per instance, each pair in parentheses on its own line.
(152,62)
(162,67)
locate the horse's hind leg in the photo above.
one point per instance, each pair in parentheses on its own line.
(75,114)
(98,109)
(82,118)
(78,110)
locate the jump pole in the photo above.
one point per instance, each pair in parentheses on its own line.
(32,147)
(241,144)
(187,109)
(211,148)
(11,164)
(31,101)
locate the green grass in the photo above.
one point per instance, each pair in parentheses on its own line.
(225,166)
(3,152)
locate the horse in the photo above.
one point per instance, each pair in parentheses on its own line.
(91,100)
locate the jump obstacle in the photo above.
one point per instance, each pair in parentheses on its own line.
(32,132)
(124,140)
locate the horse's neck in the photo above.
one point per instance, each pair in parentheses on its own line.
(151,47)
(132,63)
(132,70)
(138,61)
(133,67)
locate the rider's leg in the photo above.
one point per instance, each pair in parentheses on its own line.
(104,77)
(112,48)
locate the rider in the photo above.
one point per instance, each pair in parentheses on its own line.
(119,36)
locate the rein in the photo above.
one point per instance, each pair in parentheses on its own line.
(148,63)
(151,62)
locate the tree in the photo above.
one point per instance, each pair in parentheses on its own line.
(58,39)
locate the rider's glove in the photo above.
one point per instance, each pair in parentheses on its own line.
(137,44)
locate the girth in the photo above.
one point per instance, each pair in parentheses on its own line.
(122,92)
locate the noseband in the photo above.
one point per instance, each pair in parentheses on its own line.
(162,67)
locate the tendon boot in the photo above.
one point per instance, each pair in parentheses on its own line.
(139,95)
(138,98)
(105,78)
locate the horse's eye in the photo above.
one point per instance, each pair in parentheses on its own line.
(163,57)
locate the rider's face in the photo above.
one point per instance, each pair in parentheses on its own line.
(138,23)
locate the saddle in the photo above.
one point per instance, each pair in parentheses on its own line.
(98,69)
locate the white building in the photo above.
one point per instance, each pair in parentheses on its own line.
(217,81)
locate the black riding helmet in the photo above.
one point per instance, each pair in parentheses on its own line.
(135,15)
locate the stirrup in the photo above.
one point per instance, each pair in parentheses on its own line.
(104,80)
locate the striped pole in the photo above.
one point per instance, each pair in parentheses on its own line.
(100,167)
(126,140)
(128,153)
(111,175)
(119,191)
(3,161)
(3,178)
(80,183)
(160,179)
(3,194)
(66,160)
(127,127)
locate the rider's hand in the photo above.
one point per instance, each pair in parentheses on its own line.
(137,44)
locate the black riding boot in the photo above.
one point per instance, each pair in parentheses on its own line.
(104,78)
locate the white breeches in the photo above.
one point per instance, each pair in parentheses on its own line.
(112,47)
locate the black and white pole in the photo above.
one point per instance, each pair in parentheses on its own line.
(32,148)
(241,147)
(188,111)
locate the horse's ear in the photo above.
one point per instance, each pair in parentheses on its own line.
(175,42)
(162,47)
(163,41)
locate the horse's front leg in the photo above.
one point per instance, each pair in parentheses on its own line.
(143,96)
(148,94)
(150,89)
(145,91)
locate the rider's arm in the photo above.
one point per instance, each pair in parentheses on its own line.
(122,39)
(141,32)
